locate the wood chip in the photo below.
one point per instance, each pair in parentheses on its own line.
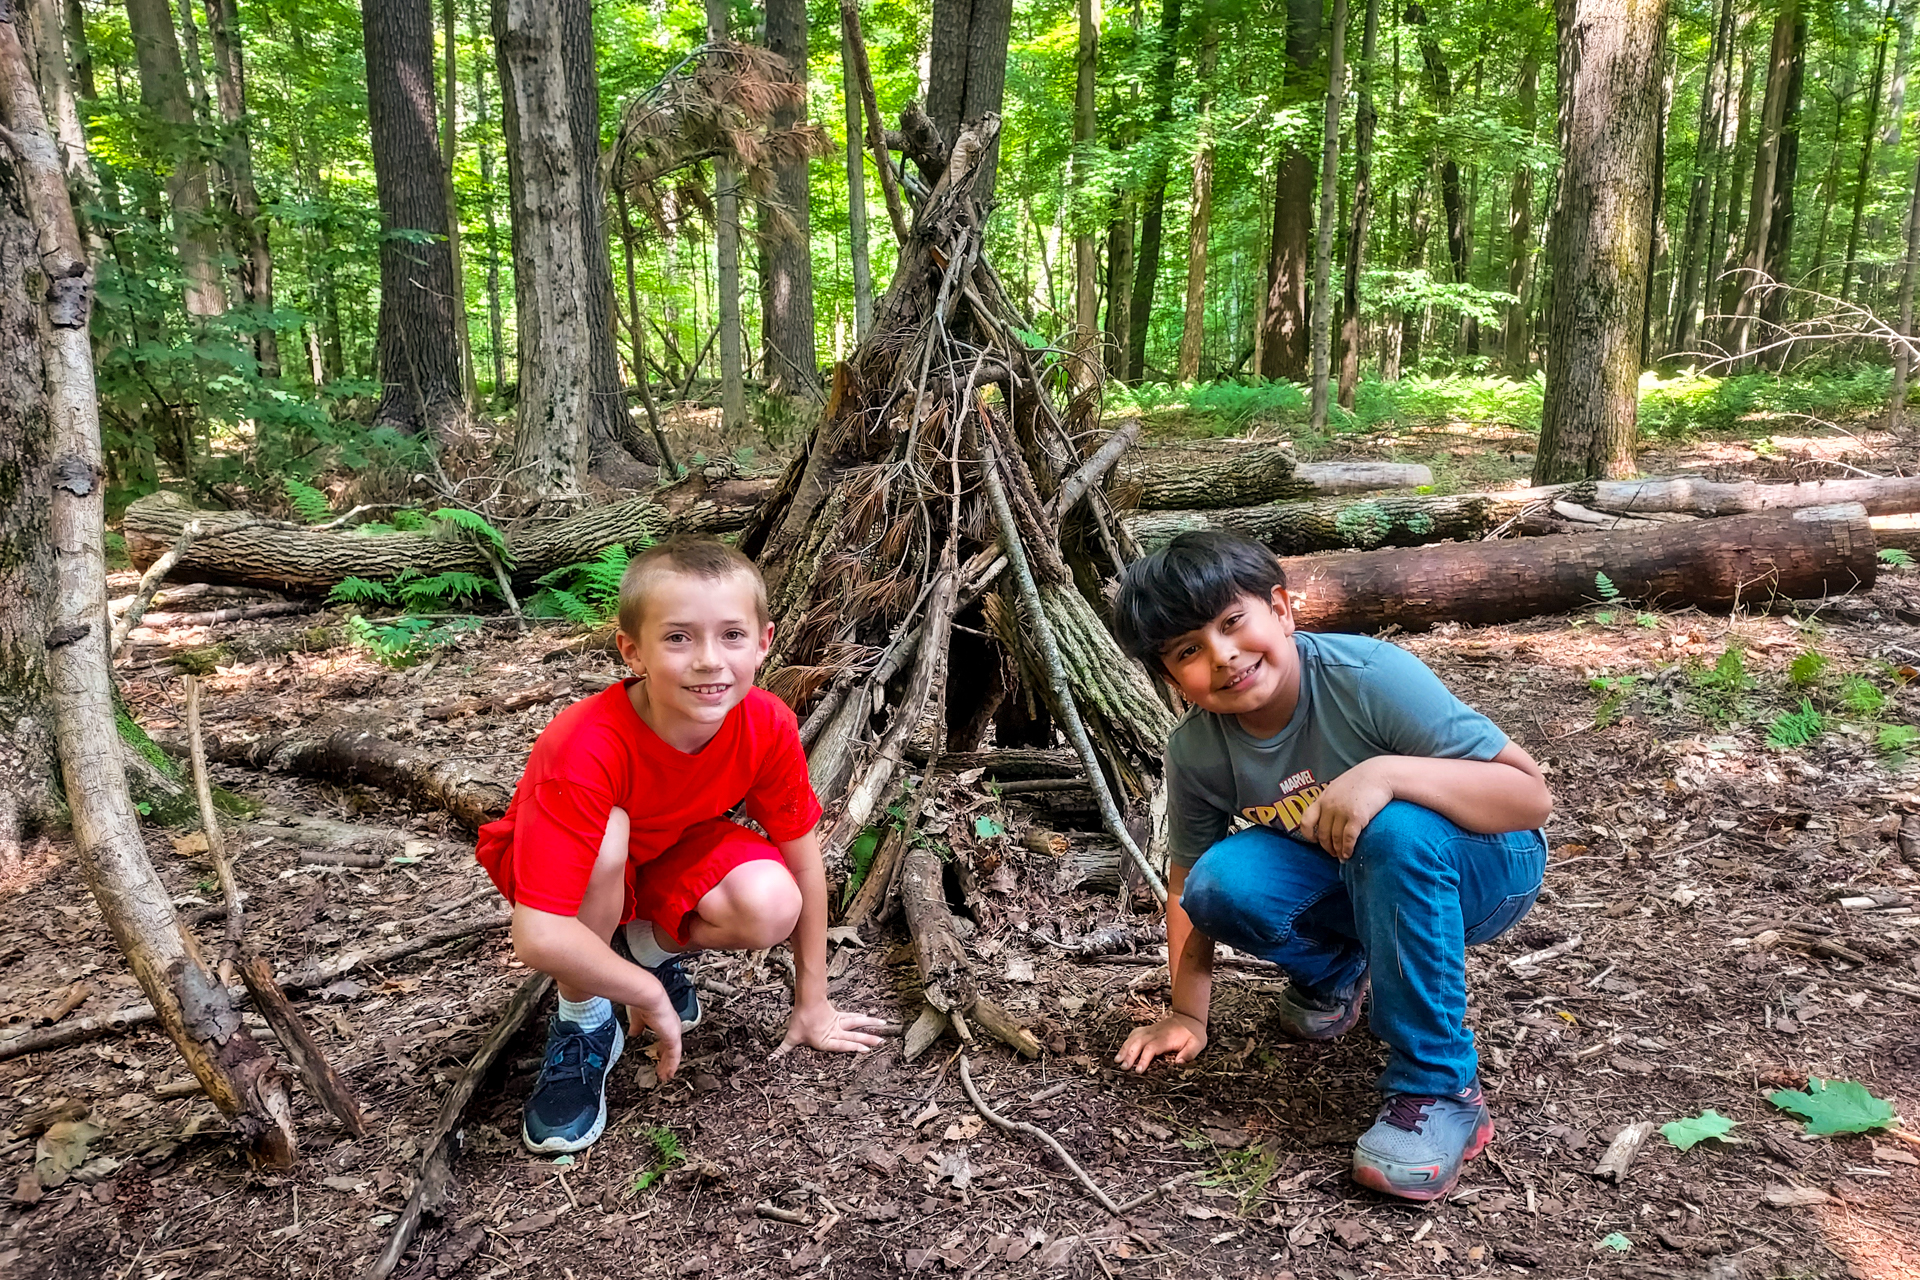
(1620,1153)
(1781,1195)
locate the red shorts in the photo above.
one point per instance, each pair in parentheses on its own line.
(665,890)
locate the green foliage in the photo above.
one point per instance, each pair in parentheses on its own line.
(359,591)
(1604,585)
(1835,1106)
(667,1152)
(1616,1242)
(1895,743)
(473,526)
(1807,669)
(403,641)
(1617,689)
(1862,696)
(1692,403)
(861,853)
(1686,1134)
(1797,728)
(1894,557)
(585,594)
(308,501)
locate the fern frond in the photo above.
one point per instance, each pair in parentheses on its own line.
(1604,585)
(453,587)
(409,522)
(474,527)
(1797,728)
(359,591)
(309,502)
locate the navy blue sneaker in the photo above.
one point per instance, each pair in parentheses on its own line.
(1418,1146)
(568,1109)
(1302,1017)
(680,992)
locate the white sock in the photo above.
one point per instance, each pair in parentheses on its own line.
(588,1014)
(646,949)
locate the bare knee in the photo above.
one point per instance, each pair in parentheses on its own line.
(758,904)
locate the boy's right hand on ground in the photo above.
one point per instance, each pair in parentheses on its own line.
(1176,1035)
(653,1010)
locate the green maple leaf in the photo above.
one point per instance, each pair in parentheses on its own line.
(1684,1134)
(1836,1106)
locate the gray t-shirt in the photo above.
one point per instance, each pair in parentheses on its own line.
(1359,698)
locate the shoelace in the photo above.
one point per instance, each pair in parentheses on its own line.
(575,1052)
(1407,1111)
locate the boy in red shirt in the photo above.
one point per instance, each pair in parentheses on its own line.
(617,833)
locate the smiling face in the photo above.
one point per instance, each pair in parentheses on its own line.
(700,641)
(1241,663)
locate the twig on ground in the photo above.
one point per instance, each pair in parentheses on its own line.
(210,821)
(149,584)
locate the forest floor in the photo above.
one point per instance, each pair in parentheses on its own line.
(1696,866)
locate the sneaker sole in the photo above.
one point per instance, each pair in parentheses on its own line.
(1333,1031)
(561,1146)
(1380,1176)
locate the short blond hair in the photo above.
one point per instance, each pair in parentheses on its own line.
(694,556)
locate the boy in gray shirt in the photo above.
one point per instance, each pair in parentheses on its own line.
(1385,827)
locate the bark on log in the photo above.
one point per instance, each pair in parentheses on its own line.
(356,755)
(1712,564)
(1406,520)
(1174,478)
(237,547)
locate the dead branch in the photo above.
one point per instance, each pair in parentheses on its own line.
(946,975)
(870,106)
(322,1081)
(443,1140)
(150,583)
(210,822)
(351,755)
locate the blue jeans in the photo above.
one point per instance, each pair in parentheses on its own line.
(1416,893)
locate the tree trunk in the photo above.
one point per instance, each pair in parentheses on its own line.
(1174,477)
(62,412)
(56,84)
(81,52)
(1656,206)
(1707,158)
(967,71)
(1365,120)
(1329,191)
(238,548)
(358,756)
(418,353)
(1146,271)
(249,223)
(1086,256)
(1868,138)
(1897,87)
(449,152)
(1194,319)
(496,340)
(1752,282)
(792,359)
(1812,553)
(1903,350)
(1779,259)
(1610,85)
(1284,346)
(1419,224)
(1120,271)
(163,92)
(1440,84)
(1723,252)
(726,187)
(1519,334)
(856,199)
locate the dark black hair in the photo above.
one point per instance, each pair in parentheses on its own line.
(1185,585)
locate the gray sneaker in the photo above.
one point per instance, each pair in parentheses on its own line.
(1303,1017)
(1418,1146)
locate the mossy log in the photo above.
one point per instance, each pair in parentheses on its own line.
(1712,564)
(1175,477)
(238,547)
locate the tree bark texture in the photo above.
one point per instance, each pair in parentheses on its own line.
(1173,477)
(1519,328)
(1805,554)
(420,774)
(1772,302)
(1146,271)
(1120,272)
(249,224)
(1086,253)
(1867,140)
(1610,78)
(1329,196)
(57,93)
(967,71)
(418,353)
(1751,282)
(449,153)
(1440,85)
(726,234)
(1707,158)
(236,1073)
(1193,324)
(1365,120)
(237,549)
(792,359)
(1284,346)
(163,92)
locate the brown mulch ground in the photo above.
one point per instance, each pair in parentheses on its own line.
(1681,841)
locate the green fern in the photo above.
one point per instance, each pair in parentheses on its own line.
(584,594)
(436,593)
(1807,669)
(309,502)
(409,522)
(1861,696)
(1604,585)
(1894,557)
(1797,728)
(474,528)
(1894,741)
(359,591)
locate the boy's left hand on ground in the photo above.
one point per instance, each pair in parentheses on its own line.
(824,1027)
(1335,820)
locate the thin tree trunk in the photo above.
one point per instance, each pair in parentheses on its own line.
(726,185)
(1364,122)
(1723,253)
(1193,323)
(1903,350)
(495,324)
(250,224)
(1779,259)
(56,91)
(1828,191)
(1519,334)
(1419,226)
(1752,282)
(792,356)
(163,92)
(1086,255)
(856,199)
(1896,89)
(1440,82)
(79,49)
(1657,206)
(449,149)
(236,1073)
(967,71)
(1609,104)
(1146,270)
(1866,151)
(1707,157)
(1329,193)
(1120,269)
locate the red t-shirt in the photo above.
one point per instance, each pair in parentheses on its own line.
(599,753)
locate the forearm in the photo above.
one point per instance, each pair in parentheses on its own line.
(1189,955)
(575,956)
(809,941)
(1487,796)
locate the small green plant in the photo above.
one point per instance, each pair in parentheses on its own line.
(667,1153)
(418,592)
(1646,621)
(1806,670)
(474,528)
(1895,742)
(1862,696)
(1248,1171)
(860,853)
(1604,585)
(1616,691)
(1605,617)
(1717,692)
(309,502)
(1895,557)
(403,641)
(1797,728)
(586,593)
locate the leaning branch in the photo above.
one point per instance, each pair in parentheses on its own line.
(876,136)
(149,584)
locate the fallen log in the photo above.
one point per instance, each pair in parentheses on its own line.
(1174,477)
(1712,564)
(420,774)
(945,972)
(1410,519)
(238,547)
